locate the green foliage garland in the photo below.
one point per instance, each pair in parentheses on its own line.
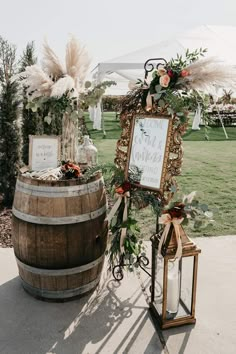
(30,124)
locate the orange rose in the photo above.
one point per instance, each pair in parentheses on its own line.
(184,73)
(119,190)
(164,80)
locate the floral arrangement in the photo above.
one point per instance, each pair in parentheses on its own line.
(67,170)
(183,84)
(70,170)
(59,91)
(55,81)
(174,89)
(61,87)
(188,210)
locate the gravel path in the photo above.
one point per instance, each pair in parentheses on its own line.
(5,228)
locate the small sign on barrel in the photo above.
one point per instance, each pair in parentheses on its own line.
(44,152)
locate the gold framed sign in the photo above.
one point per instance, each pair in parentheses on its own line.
(148,151)
(44,152)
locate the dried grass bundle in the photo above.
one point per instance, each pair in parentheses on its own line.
(77,61)
(208,73)
(51,64)
(65,84)
(52,79)
(37,81)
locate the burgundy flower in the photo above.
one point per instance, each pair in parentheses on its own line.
(170,73)
(126,186)
(177,211)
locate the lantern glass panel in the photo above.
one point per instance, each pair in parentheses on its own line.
(186,285)
(179,287)
(181,293)
(159,271)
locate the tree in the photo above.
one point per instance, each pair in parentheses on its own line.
(9,130)
(30,122)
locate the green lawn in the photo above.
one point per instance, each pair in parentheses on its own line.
(209,168)
(214,133)
(112,127)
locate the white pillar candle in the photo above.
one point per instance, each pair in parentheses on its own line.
(173,287)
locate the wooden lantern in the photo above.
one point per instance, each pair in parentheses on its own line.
(174,281)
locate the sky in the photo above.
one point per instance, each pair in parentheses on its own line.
(108,28)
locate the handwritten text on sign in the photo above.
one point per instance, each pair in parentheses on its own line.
(148,150)
(44,153)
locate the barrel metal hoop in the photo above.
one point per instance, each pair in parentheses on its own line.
(59,220)
(57,192)
(59,272)
(60,294)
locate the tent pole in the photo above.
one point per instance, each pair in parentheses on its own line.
(222,123)
(103,123)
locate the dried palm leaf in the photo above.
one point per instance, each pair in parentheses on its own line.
(77,61)
(51,64)
(207,73)
(63,85)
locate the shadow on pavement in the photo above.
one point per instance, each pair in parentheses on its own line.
(98,323)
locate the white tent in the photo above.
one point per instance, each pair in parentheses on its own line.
(219,40)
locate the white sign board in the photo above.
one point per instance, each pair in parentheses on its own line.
(148,150)
(44,152)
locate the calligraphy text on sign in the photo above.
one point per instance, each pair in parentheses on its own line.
(44,153)
(148,150)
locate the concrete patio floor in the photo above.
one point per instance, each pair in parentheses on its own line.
(115,318)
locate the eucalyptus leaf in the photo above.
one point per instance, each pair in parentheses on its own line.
(158,88)
(87,84)
(173,189)
(34,108)
(170,110)
(209,214)
(80,113)
(195,203)
(156,96)
(154,74)
(185,221)
(74,115)
(161,103)
(132,228)
(197,224)
(68,109)
(204,207)
(48,119)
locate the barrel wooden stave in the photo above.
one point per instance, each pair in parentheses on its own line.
(58,246)
(62,247)
(60,282)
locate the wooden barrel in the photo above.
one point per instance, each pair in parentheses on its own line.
(59,235)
